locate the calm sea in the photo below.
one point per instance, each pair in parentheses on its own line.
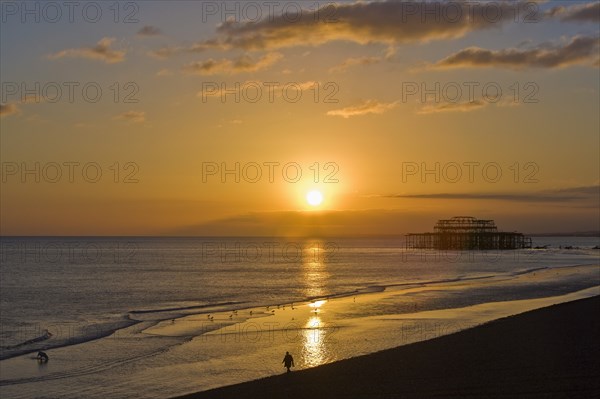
(57,292)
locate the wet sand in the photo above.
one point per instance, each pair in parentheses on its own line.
(552,352)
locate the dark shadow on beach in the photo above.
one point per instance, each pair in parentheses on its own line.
(552,352)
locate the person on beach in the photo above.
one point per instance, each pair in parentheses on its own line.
(288,361)
(42,356)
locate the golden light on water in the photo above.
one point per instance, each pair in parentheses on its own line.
(314,350)
(314,270)
(315,276)
(317,304)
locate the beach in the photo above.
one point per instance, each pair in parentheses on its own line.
(552,352)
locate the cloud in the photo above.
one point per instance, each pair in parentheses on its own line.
(364,22)
(244,63)
(307,224)
(132,116)
(102,51)
(8,109)
(149,30)
(367,107)
(389,22)
(452,107)
(581,50)
(589,12)
(557,195)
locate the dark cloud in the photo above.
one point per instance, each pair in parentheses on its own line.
(244,63)
(581,50)
(589,12)
(558,195)
(149,30)
(388,22)
(312,224)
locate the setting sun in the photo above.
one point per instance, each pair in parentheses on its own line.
(314,198)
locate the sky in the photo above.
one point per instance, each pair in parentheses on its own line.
(218,118)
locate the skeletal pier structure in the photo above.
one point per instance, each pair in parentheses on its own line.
(467,233)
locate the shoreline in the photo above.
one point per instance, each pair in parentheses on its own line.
(136,316)
(550,352)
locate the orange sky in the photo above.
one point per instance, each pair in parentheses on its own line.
(181,118)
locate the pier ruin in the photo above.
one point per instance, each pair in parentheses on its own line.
(467,233)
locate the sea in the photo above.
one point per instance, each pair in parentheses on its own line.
(125,316)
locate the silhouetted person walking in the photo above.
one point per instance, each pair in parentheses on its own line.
(288,361)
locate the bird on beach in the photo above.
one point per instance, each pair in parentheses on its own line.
(208,316)
(250,313)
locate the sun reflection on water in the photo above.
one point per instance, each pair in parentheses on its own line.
(314,270)
(314,351)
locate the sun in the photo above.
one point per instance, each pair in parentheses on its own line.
(314,198)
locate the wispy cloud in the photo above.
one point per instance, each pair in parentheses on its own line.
(557,195)
(367,107)
(8,110)
(132,116)
(452,107)
(580,50)
(589,12)
(102,51)
(244,63)
(14,108)
(149,30)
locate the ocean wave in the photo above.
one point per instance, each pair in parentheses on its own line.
(46,335)
(50,340)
